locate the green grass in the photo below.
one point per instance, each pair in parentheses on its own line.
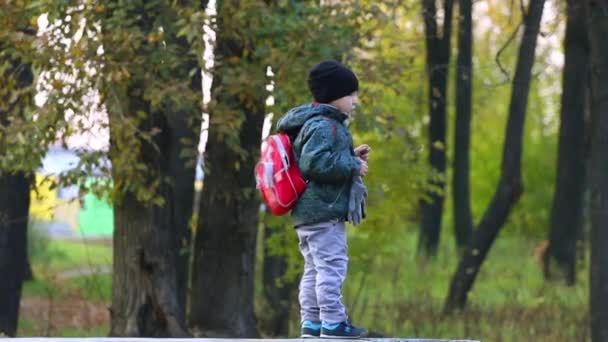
(26,327)
(56,257)
(61,255)
(392,291)
(98,331)
(29,328)
(50,260)
(43,287)
(402,296)
(95,287)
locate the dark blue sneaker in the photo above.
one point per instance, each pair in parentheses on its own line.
(342,330)
(311,329)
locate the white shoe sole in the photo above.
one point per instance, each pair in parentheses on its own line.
(342,337)
(308,336)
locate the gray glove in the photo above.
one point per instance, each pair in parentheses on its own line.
(356,201)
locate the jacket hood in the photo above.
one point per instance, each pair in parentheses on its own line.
(294,119)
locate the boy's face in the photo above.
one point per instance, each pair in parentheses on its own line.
(346,104)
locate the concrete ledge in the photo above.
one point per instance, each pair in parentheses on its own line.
(127,339)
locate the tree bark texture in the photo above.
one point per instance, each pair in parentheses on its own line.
(150,266)
(145,298)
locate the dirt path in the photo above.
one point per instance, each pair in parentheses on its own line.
(84,271)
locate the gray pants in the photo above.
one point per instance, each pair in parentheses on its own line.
(323,246)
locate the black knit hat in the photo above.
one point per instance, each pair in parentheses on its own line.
(330,80)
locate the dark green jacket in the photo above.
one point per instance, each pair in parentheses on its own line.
(323,148)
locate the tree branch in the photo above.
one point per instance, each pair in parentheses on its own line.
(502,49)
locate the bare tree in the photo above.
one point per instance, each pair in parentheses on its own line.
(510,185)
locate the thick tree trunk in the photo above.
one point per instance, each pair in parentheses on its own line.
(463,222)
(151,241)
(598,14)
(222,283)
(278,295)
(144,291)
(567,211)
(14,203)
(510,185)
(28,275)
(14,208)
(437,60)
(145,299)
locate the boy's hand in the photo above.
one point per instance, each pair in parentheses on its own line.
(363,169)
(362,151)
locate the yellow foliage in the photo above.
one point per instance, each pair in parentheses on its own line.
(43,200)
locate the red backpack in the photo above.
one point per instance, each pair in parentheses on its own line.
(277,175)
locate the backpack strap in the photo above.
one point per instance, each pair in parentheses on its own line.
(282,152)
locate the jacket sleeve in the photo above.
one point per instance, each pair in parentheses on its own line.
(319,161)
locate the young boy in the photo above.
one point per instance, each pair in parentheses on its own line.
(323,147)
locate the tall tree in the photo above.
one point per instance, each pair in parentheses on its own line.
(510,185)
(16,99)
(224,255)
(567,210)
(151,220)
(463,222)
(598,34)
(437,63)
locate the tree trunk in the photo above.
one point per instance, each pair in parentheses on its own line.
(437,60)
(567,211)
(463,222)
(150,266)
(598,33)
(14,208)
(144,292)
(28,275)
(510,185)
(278,295)
(145,300)
(14,203)
(224,255)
